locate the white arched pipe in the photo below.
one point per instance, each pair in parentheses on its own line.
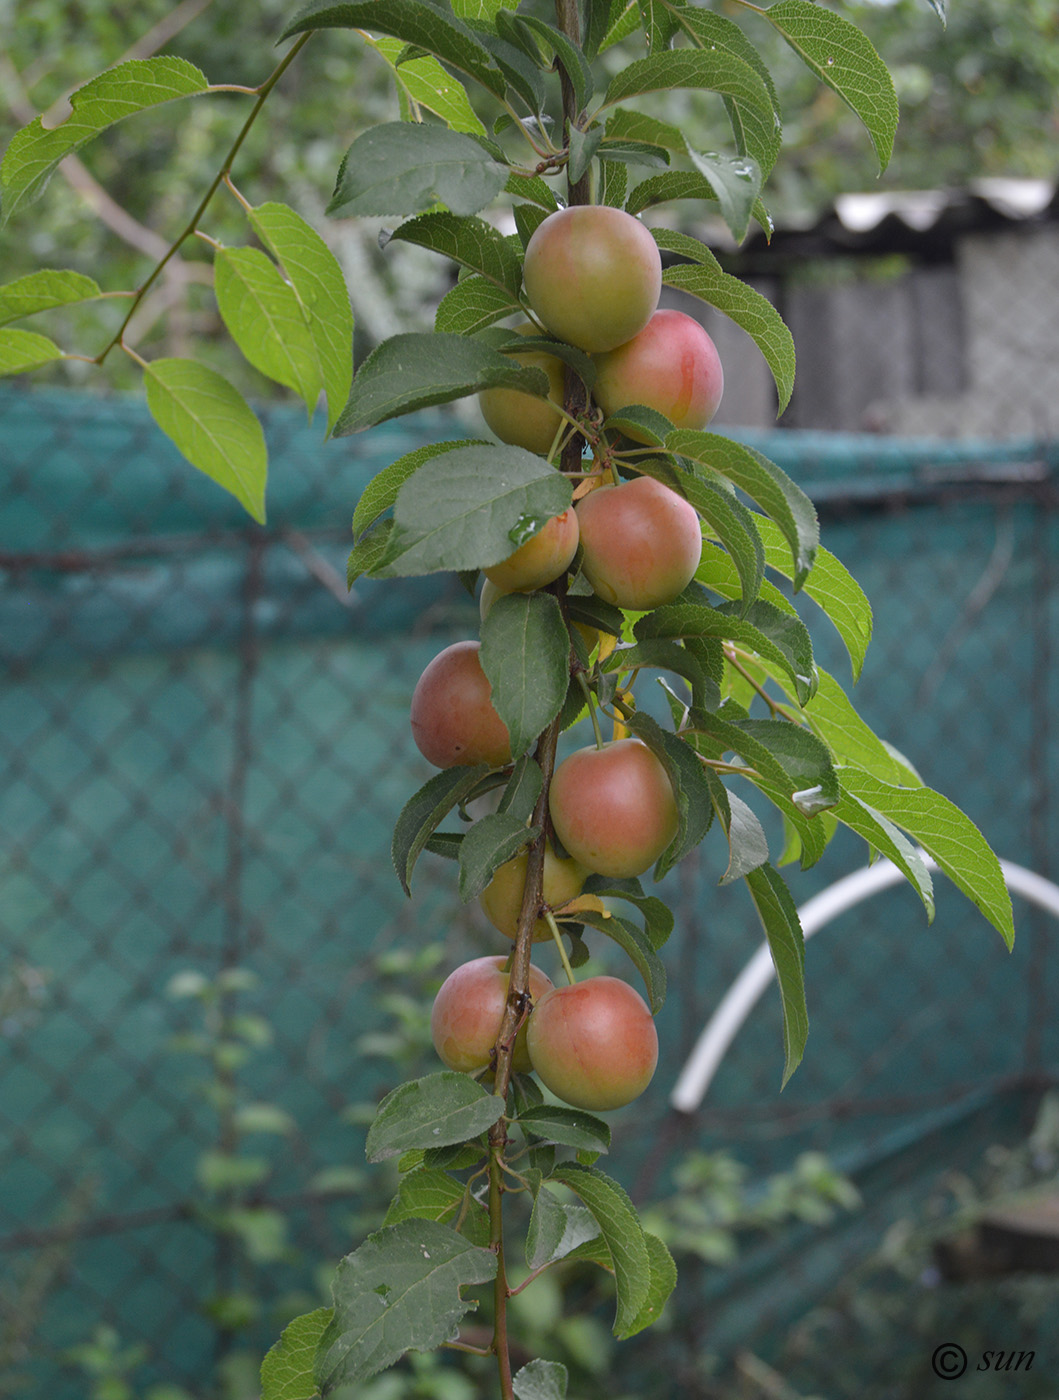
(816,913)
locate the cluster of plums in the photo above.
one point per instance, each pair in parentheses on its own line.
(637,543)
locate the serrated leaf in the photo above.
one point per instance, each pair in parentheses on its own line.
(381,491)
(399,1291)
(473,304)
(129,87)
(24,350)
(747,843)
(621,1231)
(834,718)
(683,184)
(833,588)
(583,147)
(803,757)
(613,182)
(493,839)
(416,370)
(756,315)
(430,1193)
(783,931)
(471,242)
(287,1370)
(428,26)
(639,128)
(637,947)
(691,68)
(471,508)
(265,319)
(540,1380)
(765,483)
(567,1127)
(948,835)
(666,655)
(888,840)
(736,182)
(212,425)
(523,789)
(689,785)
(424,811)
(42,290)
(403,168)
(663,1281)
(569,55)
(842,57)
(317,280)
(369,551)
(555,1229)
(525,656)
(426,83)
(434,1111)
(657,915)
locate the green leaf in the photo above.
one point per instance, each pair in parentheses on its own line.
(613,182)
(657,915)
(639,128)
(691,68)
(779,918)
(569,55)
(287,1370)
(472,243)
(948,835)
(212,425)
(416,370)
(435,1111)
(540,1380)
(429,1193)
(470,508)
(757,134)
(381,491)
(736,182)
(622,1232)
(403,168)
(583,147)
(532,188)
(426,83)
(23,350)
(684,184)
(493,839)
(834,718)
(747,843)
(399,1291)
(265,319)
(368,552)
(663,1281)
(740,303)
(427,26)
(318,283)
(886,839)
(842,57)
(423,813)
(662,654)
(803,757)
(130,87)
(42,290)
(473,304)
(523,789)
(833,588)
(765,483)
(637,947)
(525,656)
(567,1127)
(555,1229)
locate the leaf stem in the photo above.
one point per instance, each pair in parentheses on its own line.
(550,919)
(590,701)
(189,228)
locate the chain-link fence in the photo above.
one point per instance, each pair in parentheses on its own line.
(205,745)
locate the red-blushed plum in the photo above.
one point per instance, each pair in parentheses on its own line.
(613,808)
(593,1043)
(524,420)
(468,1009)
(454,723)
(542,558)
(671,365)
(593,275)
(642,542)
(501,900)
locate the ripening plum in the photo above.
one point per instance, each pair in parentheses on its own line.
(521,419)
(671,365)
(642,542)
(468,1009)
(501,900)
(613,808)
(593,275)
(454,723)
(542,559)
(593,1043)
